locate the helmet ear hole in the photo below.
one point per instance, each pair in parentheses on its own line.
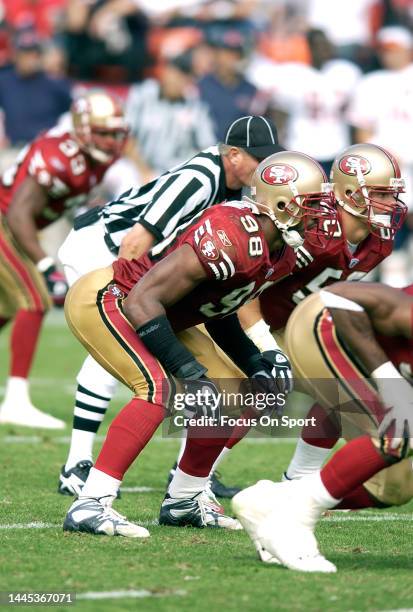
(280,205)
(348,193)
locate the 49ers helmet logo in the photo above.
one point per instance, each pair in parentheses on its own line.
(279,174)
(349,164)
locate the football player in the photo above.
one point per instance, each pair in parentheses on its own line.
(367,184)
(349,346)
(127,317)
(51,175)
(130,226)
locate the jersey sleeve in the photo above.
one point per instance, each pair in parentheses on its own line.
(222,252)
(53,163)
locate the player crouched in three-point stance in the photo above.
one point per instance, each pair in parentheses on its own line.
(127,316)
(359,337)
(51,175)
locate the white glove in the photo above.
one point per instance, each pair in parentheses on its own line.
(397,396)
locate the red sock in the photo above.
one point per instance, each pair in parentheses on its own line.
(240,431)
(23,341)
(352,465)
(200,452)
(357,499)
(327,431)
(128,435)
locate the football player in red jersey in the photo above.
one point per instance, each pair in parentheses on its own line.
(52,174)
(227,256)
(367,182)
(357,338)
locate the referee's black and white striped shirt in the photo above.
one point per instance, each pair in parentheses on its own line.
(169,201)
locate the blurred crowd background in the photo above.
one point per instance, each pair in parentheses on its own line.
(328,73)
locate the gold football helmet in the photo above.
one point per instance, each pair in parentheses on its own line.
(362,175)
(99,125)
(293,190)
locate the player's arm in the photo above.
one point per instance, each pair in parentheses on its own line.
(27,203)
(255,327)
(136,242)
(164,285)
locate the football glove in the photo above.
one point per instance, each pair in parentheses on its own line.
(201,398)
(397,424)
(55,281)
(273,365)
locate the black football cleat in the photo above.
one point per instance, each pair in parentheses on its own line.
(71,481)
(219,489)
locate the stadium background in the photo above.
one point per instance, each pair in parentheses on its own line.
(305,63)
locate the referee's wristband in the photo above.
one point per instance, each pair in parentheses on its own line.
(45,263)
(160,339)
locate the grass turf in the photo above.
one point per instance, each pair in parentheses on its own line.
(177,569)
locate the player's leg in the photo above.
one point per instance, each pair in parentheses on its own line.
(198,341)
(24,290)
(83,251)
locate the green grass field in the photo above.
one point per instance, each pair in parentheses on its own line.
(175,569)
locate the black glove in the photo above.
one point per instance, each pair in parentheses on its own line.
(274,370)
(201,394)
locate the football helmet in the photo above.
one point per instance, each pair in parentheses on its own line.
(293,190)
(99,125)
(361,175)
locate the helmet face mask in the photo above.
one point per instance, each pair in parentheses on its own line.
(367,184)
(99,125)
(292,189)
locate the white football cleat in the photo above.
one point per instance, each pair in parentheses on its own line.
(280,519)
(24,413)
(90,515)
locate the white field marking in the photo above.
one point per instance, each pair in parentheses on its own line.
(130,594)
(366,518)
(140,490)
(40,525)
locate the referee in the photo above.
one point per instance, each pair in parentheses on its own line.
(130,226)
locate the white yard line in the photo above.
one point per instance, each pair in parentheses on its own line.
(339,518)
(130,594)
(66,439)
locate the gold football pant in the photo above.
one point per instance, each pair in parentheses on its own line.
(325,370)
(22,286)
(93,309)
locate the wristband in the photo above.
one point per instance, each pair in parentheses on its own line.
(160,339)
(45,263)
(386,370)
(261,336)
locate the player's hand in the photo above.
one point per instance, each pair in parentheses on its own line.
(202,398)
(397,424)
(56,285)
(274,370)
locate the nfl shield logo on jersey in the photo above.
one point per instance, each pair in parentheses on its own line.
(353,262)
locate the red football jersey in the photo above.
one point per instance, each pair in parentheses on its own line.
(56,162)
(231,247)
(316,268)
(399,349)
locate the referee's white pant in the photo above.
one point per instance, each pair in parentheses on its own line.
(83,251)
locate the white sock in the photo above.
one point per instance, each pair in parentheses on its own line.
(184,486)
(17,390)
(220,457)
(100,484)
(81,446)
(182,447)
(306,459)
(318,491)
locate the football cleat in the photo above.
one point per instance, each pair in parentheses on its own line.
(71,482)
(89,515)
(195,511)
(219,489)
(25,414)
(280,520)
(212,500)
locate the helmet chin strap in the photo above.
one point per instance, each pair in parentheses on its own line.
(291,237)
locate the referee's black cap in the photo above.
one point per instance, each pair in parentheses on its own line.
(254,133)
